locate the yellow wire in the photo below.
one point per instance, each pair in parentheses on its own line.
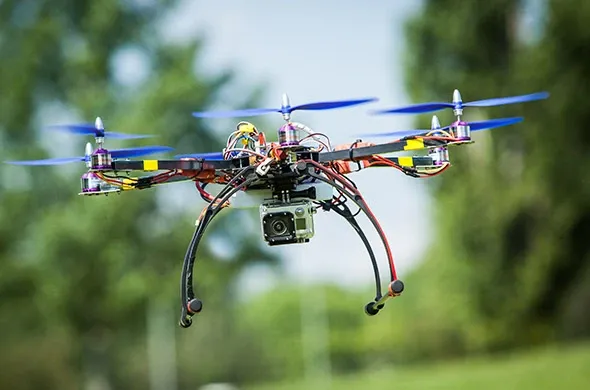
(438,131)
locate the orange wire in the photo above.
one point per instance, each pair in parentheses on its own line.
(338,177)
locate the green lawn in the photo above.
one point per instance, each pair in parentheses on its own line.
(559,368)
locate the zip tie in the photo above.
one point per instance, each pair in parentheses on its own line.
(264,167)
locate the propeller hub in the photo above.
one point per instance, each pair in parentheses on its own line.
(435,123)
(285,102)
(286,107)
(88,154)
(99,126)
(457,97)
(98,123)
(458,102)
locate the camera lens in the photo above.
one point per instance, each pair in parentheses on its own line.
(278,227)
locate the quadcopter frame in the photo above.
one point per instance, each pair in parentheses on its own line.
(248,163)
(243,173)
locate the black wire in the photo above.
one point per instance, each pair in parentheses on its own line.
(336,169)
(213,209)
(359,202)
(203,195)
(357,212)
(342,199)
(349,180)
(237,177)
(345,212)
(116,176)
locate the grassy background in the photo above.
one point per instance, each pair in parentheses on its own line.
(564,367)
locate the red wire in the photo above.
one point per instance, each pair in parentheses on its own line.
(203,192)
(338,177)
(381,160)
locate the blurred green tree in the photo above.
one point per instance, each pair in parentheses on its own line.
(510,264)
(77,274)
(308,330)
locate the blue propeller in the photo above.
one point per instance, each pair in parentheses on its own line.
(474,126)
(458,104)
(286,109)
(115,153)
(96,129)
(206,156)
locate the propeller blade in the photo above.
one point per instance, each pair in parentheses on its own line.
(140,151)
(90,129)
(206,156)
(285,109)
(415,108)
(110,134)
(474,126)
(507,100)
(236,113)
(493,123)
(115,153)
(48,161)
(435,106)
(399,133)
(330,105)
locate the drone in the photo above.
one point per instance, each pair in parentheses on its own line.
(288,180)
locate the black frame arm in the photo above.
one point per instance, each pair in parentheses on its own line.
(187,165)
(402,145)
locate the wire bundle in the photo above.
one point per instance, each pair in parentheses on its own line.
(244,141)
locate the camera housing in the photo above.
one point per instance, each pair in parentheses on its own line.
(287,223)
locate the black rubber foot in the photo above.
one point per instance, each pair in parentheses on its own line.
(371,309)
(194,306)
(185,322)
(396,287)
